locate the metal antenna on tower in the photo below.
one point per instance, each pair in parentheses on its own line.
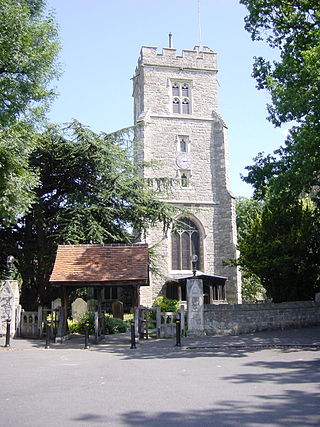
(199,24)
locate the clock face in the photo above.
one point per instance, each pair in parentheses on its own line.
(183,161)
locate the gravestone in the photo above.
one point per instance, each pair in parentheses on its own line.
(78,308)
(117,309)
(92,305)
(56,304)
(195,306)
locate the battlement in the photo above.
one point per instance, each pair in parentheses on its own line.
(199,59)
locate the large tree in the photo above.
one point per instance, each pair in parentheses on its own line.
(28,53)
(281,247)
(248,212)
(90,192)
(292,27)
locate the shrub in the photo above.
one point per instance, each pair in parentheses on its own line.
(114,325)
(73,326)
(79,326)
(167,304)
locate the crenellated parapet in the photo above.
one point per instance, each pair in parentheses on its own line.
(197,58)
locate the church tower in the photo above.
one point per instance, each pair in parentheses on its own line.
(175,104)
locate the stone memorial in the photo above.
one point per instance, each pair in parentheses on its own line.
(92,305)
(78,308)
(117,309)
(56,304)
(9,303)
(195,306)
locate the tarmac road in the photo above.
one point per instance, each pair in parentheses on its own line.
(160,385)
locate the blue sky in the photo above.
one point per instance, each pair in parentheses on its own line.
(101,41)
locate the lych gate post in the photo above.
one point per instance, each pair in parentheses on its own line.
(195,306)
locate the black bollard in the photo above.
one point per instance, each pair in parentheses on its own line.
(7,344)
(178,332)
(133,335)
(86,335)
(48,334)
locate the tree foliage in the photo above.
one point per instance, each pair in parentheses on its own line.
(282,245)
(28,52)
(282,248)
(247,211)
(90,192)
(293,27)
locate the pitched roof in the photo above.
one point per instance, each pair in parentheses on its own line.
(101,263)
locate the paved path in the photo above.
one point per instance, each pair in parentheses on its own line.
(291,338)
(207,382)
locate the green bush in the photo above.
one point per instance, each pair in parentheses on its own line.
(73,326)
(114,325)
(167,304)
(79,326)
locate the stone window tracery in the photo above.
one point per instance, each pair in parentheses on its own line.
(176,106)
(185,242)
(181,98)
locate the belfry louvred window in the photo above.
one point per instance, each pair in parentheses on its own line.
(185,242)
(175,90)
(185,106)
(185,90)
(176,106)
(181,98)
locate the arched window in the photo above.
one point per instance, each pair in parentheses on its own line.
(181,97)
(184,180)
(185,90)
(176,106)
(175,90)
(185,242)
(183,145)
(185,106)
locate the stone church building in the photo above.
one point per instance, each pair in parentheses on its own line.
(182,133)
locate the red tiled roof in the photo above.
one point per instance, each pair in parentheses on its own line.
(101,263)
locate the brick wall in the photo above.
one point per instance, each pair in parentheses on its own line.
(246,318)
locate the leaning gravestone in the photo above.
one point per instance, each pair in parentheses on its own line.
(117,309)
(78,308)
(195,306)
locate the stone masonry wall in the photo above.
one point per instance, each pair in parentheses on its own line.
(208,198)
(246,318)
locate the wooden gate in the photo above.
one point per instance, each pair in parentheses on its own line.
(152,322)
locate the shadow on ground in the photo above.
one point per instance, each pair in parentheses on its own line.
(295,408)
(209,346)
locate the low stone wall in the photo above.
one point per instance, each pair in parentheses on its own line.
(233,319)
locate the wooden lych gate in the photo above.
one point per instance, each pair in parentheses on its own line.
(98,267)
